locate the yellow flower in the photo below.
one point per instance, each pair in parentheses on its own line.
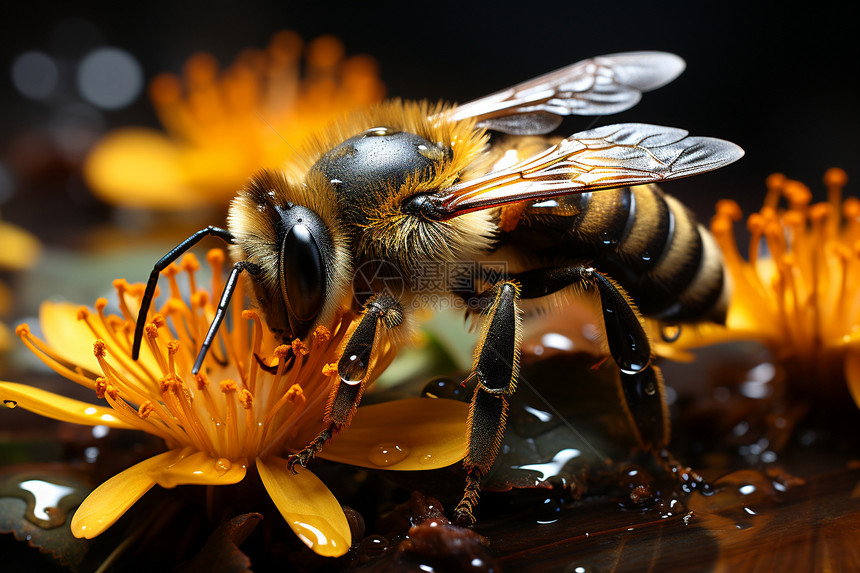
(798,289)
(223,125)
(20,251)
(258,401)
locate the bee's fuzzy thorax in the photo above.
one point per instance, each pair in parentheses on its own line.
(386,231)
(421,118)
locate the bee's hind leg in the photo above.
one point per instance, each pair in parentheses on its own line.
(641,380)
(353,369)
(496,367)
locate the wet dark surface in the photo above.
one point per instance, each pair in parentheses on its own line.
(572,496)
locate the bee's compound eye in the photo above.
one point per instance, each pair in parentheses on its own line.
(303,272)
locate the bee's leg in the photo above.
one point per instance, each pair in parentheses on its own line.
(162,264)
(353,369)
(496,367)
(226,295)
(641,380)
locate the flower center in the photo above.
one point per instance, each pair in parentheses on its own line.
(268,396)
(801,276)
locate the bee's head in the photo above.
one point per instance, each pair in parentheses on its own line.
(293,235)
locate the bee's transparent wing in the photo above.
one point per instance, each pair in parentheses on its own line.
(603,158)
(597,86)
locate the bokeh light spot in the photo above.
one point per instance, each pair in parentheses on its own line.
(35,74)
(110,78)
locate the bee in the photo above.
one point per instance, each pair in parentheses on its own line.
(404,187)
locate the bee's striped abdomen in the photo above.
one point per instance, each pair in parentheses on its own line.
(646,240)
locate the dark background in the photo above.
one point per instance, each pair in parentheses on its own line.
(779,81)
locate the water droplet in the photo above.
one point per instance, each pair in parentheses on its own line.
(354,363)
(373,546)
(425,460)
(100,431)
(741,497)
(557,341)
(670,332)
(91,454)
(608,238)
(322,542)
(446,388)
(539,414)
(387,454)
(223,465)
(11,404)
(554,466)
(44,507)
(380,131)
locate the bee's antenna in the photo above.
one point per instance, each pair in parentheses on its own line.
(162,264)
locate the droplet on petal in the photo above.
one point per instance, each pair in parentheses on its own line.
(321,542)
(223,465)
(388,454)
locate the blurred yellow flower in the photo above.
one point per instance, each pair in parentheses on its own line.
(224,125)
(258,401)
(20,251)
(798,289)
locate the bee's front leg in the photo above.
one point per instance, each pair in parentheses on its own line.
(496,367)
(354,370)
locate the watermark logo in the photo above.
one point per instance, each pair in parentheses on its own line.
(378,277)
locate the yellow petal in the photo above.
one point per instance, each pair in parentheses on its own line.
(68,337)
(852,373)
(137,167)
(199,468)
(411,434)
(59,407)
(72,340)
(309,508)
(20,248)
(111,500)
